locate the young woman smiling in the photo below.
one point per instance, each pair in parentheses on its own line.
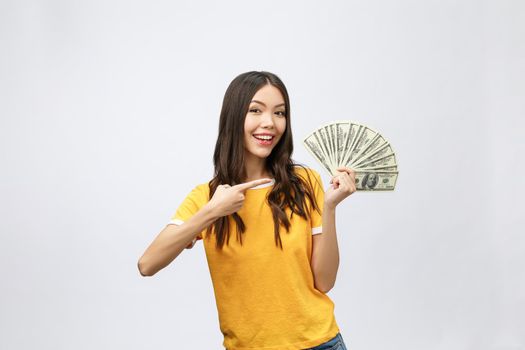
(270,282)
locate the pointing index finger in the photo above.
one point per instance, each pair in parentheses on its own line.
(253,183)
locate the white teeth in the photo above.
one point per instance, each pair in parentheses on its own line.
(263,137)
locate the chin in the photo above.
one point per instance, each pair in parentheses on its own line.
(259,154)
(263,155)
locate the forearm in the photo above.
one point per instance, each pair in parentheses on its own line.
(172,240)
(325,254)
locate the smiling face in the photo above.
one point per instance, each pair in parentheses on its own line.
(266,116)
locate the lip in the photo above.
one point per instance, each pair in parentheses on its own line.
(264,142)
(264,134)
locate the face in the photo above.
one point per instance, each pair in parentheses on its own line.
(266,116)
(372,180)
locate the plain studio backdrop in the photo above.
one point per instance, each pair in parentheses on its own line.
(109,117)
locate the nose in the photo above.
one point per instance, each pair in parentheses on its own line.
(267,120)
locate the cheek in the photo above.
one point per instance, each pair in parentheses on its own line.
(248,129)
(249,125)
(282,126)
(247,137)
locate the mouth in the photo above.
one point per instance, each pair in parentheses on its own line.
(265,140)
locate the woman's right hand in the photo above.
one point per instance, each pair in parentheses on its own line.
(229,199)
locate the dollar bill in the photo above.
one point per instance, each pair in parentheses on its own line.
(376,154)
(372,145)
(365,137)
(323,146)
(322,136)
(356,146)
(378,168)
(333,142)
(357,130)
(342,132)
(349,133)
(313,146)
(375,181)
(388,160)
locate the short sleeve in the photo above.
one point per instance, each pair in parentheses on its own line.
(193,202)
(316,218)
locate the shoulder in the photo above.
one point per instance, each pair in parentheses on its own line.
(199,193)
(306,172)
(203,188)
(310,177)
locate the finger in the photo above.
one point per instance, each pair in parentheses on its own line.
(249,184)
(339,176)
(336,181)
(346,170)
(350,173)
(347,181)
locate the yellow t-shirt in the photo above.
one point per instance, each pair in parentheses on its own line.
(265,296)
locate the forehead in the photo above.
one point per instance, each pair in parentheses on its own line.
(269,94)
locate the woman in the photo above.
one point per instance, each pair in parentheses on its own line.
(271,280)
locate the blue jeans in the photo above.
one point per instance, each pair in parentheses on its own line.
(336,343)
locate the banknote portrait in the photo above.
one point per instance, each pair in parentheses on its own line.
(369,181)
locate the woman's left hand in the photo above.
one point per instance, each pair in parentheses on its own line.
(343,185)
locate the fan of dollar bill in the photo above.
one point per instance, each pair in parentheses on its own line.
(358,147)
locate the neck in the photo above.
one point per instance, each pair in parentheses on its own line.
(255,168)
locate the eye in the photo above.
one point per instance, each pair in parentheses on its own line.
(283,113)
(254,110)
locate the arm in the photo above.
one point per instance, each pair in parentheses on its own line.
(325,252)
(172,240)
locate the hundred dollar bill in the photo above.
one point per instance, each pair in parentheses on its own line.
(356,146)
(388,160)
(380,152)
(323,136)
(333,142)
(356,131)
(341,130)
(348,132)
(365,137)
(377,168)
(375,181)
(313,146)
(373,144)
(323,147)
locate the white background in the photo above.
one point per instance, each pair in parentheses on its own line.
(109,116)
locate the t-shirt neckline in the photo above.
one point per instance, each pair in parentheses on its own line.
(268,184)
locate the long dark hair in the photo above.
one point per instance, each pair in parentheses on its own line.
(290,189)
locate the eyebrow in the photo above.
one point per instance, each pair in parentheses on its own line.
(279,105)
